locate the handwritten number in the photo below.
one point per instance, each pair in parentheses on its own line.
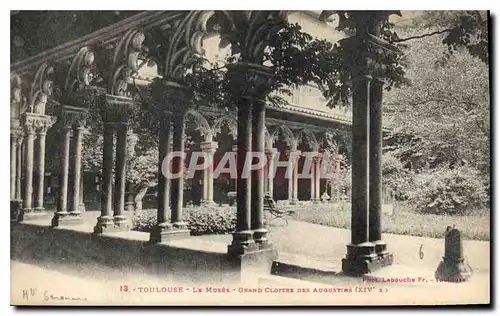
(421,252)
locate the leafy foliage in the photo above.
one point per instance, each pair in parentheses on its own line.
(463,29)
(444,190)
(443,116)
(396,178)
(201,220)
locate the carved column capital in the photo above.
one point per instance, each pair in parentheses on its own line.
(37,123)
(116,109)
(209,147)
(250,80)
(16,130)
(173,98)
(72,115)
(371,54)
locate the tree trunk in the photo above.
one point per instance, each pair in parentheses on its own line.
(138,198)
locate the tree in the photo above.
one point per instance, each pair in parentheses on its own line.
(442,117)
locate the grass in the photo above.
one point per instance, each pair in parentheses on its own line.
(401,221)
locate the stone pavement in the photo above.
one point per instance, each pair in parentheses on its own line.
(299,243)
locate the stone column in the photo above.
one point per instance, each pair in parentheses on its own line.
(360,250)
(34,123)
(294,157)
(70,115)
(19,154)
(361,256)
(234,148)
(177,184)
(163,198)
(41,169)
(270,153)
(317,175)
(175,100)
(13,165)
(114,111)
(376,168)
(209,149)
(77,166)
(119,218)
(243,236)
(258,176)
(313,179)
(105,221)
(28,169)
(81,206)
(15,169)
(291,176)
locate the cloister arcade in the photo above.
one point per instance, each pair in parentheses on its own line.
(55,87)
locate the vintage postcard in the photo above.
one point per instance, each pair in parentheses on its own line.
(162,158)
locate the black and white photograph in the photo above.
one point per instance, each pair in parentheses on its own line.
(250,157)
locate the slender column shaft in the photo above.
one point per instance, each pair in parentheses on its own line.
(270,167)
(120,168)
(243,184)
(177,191)
(41,170)
(210,174)
(77,166)
(19,152)
(375,160)
(82,190)
(235,151)
(360,128)
(107,171)
(317,174)
(13,166)
(258,144)
(28,184)
(208,177)
(291,177)
(313,180)
(295,178)
(164,183)
(63,180)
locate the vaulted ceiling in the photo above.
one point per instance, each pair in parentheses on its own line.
(35,31)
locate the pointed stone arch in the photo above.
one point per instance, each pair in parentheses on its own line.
(306,136)
(287,134)
(227,120)
(201,124)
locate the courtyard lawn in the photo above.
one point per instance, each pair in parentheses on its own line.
(401,221)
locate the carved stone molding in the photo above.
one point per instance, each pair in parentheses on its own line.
(172,97)
(16,129)
(37,123)
(173,46)
(372,54)
(250,80)
(73,116)
(115,109)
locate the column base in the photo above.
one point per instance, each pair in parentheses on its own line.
(29,214)
(362,259)
(67,219)
(242,243)
(249,265)
(260,238)
(167,231)
(111,224)
(82,208)
(15,210)
(293,202)
(453,270)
